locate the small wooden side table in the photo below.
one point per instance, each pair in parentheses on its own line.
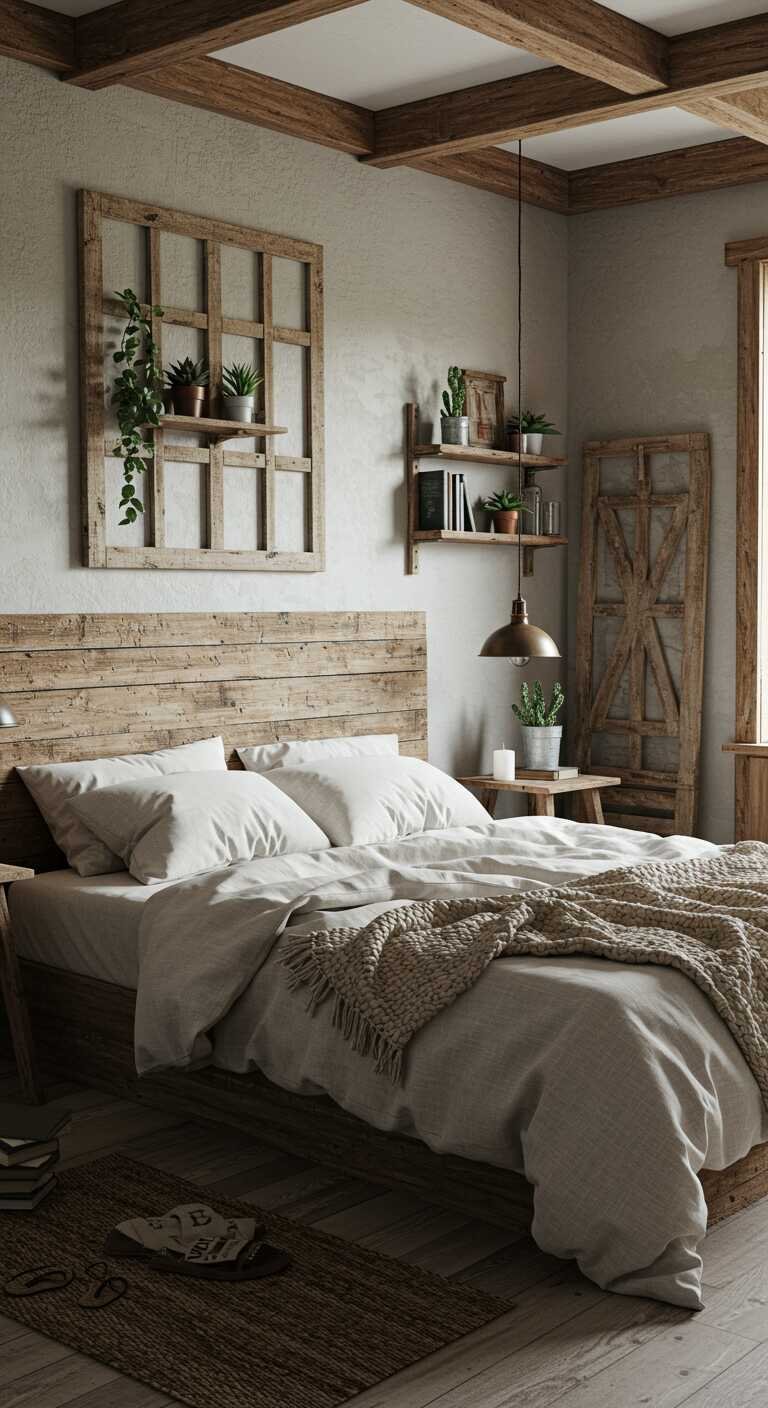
(13,992)
(543,793)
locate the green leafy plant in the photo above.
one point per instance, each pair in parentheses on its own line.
(531,423)
(503,501)
(137,397)
(533,710)
(455,396)
(187,373)
(240,380)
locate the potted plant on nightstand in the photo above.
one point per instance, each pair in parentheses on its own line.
(239,384)
(541,735)
(454,425)
(187,382)
(506,508)
(530,428)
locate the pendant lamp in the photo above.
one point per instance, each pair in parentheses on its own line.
(519,641)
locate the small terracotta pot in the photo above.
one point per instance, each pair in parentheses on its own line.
(505,520)
(188,400)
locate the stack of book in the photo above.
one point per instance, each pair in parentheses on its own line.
(29,1153)
(444,502)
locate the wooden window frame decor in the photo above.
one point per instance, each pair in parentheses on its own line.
(657,799)
(480,386)
(216,452)
(750,745)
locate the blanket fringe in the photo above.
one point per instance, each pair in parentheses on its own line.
(304,970)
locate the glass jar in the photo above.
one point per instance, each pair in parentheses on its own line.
(532,501)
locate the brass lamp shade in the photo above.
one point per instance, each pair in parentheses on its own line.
(519,641)
(7,719)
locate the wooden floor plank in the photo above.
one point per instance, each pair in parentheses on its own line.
(741,1386)
(57,1384)
(26,1353)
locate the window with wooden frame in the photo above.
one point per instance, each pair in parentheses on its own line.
(750,258)
(217,494)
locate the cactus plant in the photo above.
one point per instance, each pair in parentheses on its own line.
(454,398)
(533,710)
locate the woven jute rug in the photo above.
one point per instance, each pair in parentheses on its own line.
(341,1320)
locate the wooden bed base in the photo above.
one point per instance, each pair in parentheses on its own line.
(84,1030)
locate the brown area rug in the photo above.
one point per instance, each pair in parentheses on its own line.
(341,1320)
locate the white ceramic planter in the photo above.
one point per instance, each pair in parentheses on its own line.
(238,407)
(535,443)
(541,746)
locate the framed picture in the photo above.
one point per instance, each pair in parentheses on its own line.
(485,408)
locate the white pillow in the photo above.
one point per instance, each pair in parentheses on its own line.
(166,828)
(359,801)
(55,786)
(288,755)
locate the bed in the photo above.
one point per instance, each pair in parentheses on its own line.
(171,679)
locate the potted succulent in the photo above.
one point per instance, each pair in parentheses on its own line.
(187,382)
(506,508)
(239,384)
(454,425)
(531,428)
(541,735)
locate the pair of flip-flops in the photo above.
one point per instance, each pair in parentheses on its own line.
(194,1240)
(104,1289)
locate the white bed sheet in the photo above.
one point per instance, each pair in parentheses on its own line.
(87,925)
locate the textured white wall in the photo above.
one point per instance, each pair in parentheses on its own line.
(419,274)
(652,348)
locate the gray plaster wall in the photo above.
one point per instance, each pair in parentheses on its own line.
(419,274)
(652,347)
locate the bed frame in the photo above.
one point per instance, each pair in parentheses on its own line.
(91,685)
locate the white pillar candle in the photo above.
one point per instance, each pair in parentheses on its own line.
(504,764)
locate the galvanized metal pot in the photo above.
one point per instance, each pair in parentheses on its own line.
(454,430)
(238,407)
(541,746)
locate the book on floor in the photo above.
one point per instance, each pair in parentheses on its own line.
(35,1123)
(18,1151)
(547,774)
(24,1202)
(33,1170)
(25,1187)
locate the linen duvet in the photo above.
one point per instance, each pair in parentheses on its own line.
(608,1086)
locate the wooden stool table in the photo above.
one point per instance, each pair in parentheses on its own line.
(542,793)
(13,993)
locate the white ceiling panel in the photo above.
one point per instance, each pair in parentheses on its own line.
(381,53)
(621,138)
(678,16)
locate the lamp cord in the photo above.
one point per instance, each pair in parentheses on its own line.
(519,364)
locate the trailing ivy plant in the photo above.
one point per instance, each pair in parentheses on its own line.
(533,710)
(137,397)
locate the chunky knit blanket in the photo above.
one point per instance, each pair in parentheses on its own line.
(707,917)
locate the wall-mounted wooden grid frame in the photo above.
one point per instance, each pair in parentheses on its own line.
(653,544)
(218,452)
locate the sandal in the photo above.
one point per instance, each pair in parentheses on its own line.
(39,1279)
(107,1289)
(256,1260)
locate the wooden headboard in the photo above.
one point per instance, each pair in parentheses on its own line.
(90,686)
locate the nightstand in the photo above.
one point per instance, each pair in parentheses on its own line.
(542,793)
(13,992)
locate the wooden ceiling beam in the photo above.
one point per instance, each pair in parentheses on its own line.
(133,37)
(37,36)
(578,34)
(745,113)
(266,102)
(688,171)
(496,170)
(706,64)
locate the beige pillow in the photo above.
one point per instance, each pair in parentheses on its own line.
(288,755)
(361,801)
(55,786)
(169,827)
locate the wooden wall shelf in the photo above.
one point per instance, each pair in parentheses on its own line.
(475,454)
(465,454)
(220,429)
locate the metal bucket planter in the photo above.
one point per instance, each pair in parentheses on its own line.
(238,407)
(454,430)
(541,746)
